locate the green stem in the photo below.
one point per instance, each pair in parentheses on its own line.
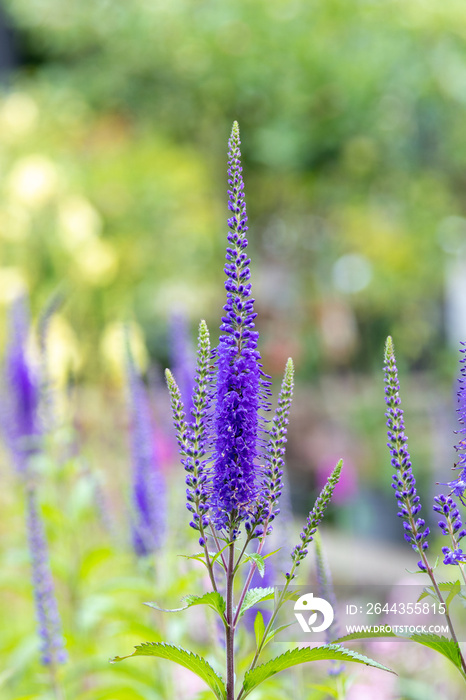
(229,628)
(269,626)
(442,602)
(219,548)
(251,572)
(55,683)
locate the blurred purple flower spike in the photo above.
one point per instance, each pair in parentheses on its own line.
(148,489)
(458,486)
(183,357)
(20,419)
(22,431)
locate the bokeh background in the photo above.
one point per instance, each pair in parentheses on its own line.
(114,119)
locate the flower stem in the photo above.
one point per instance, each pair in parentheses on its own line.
(442,602)
(250,575)
(57,688)
(230,629)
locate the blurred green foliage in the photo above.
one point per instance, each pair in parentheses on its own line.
(352,122)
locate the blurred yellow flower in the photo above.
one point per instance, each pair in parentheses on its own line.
(78,221)
(18,116)
(63,351)
(33,180)
(15,222)
(12,284)
(97,262)
(112,349)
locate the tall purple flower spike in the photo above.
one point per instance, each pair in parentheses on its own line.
(20,419)
(148,489)
(194,437)
(48,618)
(458,486)
(242,388)
(234,464)
(183,358)
(22,430)
(404,482)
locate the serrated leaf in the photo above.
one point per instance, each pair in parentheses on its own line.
(454,592)
(447,647)
(259,561)
(193,662)
(430,590)
(254,596)
(303,655)
(213,599)
(364,635)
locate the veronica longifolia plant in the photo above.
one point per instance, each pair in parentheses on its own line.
(409,506)
(234,464)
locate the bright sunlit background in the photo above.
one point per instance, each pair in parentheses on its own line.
(114,120)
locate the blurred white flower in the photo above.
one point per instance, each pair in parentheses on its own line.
(33,180)
(451,235)
(18,115)
(78,221)
(351,273)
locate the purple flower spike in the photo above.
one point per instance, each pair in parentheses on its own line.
(404,482)
(148,490)
(48,618)
(194,437)
(315,516)
(21,388)
(461,410)
(325,590)
(242,388)
(182,358)
(22,432)
(452,525)
(458,486)
(274,472)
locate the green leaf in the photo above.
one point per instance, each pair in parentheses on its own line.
(259,561)
(219,553)
(213,599)
(454,592)
(444,586)
(365,635)
(196,664)
(254,596)
(448,647)
(259,627)
(275,631)
(270,554)
(300,656)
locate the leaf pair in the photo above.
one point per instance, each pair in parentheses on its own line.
(252,679)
